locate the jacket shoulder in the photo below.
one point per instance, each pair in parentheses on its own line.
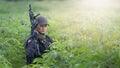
(28,41)
(49,39)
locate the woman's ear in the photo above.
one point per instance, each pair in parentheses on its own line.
(37,28)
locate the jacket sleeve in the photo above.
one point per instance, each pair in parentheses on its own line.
(30,50)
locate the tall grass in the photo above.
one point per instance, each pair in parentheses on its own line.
(84,37)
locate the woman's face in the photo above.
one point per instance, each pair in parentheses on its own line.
(42,28)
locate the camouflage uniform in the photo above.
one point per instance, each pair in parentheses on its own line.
(35,45)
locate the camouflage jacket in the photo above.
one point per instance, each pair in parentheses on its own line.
(35,47)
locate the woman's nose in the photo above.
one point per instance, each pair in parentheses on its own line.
(43,28)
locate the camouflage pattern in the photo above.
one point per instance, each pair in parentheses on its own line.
(36,45)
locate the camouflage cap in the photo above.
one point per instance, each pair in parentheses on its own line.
(41,20)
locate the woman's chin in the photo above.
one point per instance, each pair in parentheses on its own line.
(43,32)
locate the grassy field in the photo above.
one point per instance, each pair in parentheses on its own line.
(86,35)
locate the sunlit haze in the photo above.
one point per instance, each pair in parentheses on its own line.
(98,4)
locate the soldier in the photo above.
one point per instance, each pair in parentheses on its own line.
(38,42)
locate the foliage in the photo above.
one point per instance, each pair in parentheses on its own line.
(84,37)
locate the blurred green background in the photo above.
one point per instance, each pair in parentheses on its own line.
(86,33)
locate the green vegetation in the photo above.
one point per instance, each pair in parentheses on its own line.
(85,37)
